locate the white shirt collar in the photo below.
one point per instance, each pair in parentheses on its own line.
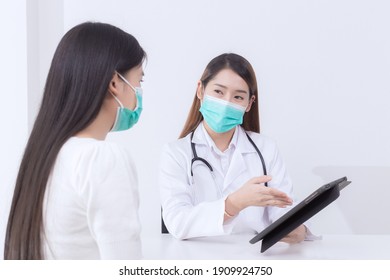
(209,141)
(239,140)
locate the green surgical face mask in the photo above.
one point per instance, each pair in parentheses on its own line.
(220,115)
(126,118)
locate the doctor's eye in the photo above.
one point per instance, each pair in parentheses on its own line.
(238,97)
(218,91)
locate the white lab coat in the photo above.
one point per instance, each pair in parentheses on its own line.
(194,207)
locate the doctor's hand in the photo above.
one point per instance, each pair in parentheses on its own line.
(296,236)
(254,193)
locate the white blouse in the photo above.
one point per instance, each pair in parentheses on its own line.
(91,203)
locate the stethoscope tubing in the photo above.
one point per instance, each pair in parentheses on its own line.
(197,158)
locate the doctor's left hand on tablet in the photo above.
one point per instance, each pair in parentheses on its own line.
(296,236)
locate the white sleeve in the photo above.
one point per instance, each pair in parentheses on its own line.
(111,197)
(184,219)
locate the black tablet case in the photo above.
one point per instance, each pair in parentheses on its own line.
(310,206)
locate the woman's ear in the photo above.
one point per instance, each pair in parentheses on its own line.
(113,86)
(199,92)
(251,100)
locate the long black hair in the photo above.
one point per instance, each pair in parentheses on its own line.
(77,84)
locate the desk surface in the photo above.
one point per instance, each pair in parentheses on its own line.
(334,247)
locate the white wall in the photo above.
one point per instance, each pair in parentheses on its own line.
(31,30)
(323,71)
(45,27)
(13,114)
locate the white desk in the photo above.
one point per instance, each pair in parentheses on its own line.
(335,247)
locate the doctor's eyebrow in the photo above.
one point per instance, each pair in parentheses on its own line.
(237,90)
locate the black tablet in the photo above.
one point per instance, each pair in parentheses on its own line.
(310,206)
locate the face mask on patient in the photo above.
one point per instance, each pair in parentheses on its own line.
(126,118)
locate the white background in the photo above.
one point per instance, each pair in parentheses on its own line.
(323,72)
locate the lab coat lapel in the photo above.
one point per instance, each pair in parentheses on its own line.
(204,186)
(238,167)
(201,144)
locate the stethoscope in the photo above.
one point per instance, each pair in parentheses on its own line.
(195,157)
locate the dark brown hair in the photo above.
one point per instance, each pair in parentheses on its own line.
(243,68)
(76,86)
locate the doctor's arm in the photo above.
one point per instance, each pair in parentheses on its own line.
(254,193)
(184,217)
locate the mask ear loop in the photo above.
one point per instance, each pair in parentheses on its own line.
(117,111)
(117,100)
(126,82)
(250,100)
(133,88)
(201,90)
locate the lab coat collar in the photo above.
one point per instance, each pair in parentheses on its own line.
(199,138)
(239,140)
(238,166)
(211,143)
(243,144)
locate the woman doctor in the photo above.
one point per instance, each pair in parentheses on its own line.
(212,179)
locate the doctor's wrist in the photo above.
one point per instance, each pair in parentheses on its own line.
(231,208)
